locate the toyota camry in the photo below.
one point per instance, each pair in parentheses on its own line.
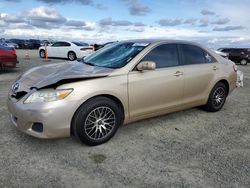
(120,83)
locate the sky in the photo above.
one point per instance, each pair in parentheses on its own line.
(220,23)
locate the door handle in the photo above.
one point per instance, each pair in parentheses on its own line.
(215,68)
(178,73)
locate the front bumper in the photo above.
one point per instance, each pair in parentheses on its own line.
(55,117)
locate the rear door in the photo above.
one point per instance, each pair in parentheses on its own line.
(156,90)
(200,70)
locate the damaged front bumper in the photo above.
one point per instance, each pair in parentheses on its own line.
(42,120)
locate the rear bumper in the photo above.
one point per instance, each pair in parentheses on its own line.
(9,64)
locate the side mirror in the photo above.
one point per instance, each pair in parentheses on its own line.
(146,65)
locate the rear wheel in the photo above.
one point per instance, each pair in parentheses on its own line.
(42,53)
(72,56)
(216,98)
(243,62)
(96,121)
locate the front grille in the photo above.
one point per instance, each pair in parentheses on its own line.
(19,95)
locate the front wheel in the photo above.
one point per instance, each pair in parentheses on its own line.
(217,98)
(243,62)
(96,121)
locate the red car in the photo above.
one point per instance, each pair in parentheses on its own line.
(8,57)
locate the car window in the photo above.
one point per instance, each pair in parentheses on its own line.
(209,58)
(192,54)
(165,55)
(61,44)
(235,51)
(65,44)
(56,44)
(115,55)
(226,50)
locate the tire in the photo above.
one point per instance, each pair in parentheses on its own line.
(96,121)
(217,98)
(72,56)
(243,62)
(42,53)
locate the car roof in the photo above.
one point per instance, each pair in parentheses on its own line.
(152,41)
(233,48)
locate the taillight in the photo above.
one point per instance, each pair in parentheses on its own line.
(84,49)
(235,68)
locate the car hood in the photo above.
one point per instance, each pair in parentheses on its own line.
(46,75)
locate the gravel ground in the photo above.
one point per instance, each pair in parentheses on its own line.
(187,149)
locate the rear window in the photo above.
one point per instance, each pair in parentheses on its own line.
(192,54)
(226,50)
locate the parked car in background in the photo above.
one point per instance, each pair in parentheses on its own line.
(65,49)
(46,42)
(35,43)
(237,55)
(8,57)
(118,84)
(10,44)
(23,44)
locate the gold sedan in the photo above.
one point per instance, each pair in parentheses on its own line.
(121,83)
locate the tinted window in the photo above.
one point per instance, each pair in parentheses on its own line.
(65,44)
(192,54)
(236,51)
(57,44)
(164,56)
(61,44)
(226,50)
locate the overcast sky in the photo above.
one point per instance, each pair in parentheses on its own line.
(213,23)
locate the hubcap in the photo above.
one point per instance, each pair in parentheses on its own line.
(99,122)
(42,53)
(219,97)
(71,56)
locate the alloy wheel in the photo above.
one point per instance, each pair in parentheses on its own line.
(219,96)
(72,56)
(99,123)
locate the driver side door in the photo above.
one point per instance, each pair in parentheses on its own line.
(54,49)
(155,92)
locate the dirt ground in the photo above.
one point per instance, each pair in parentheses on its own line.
(187,149)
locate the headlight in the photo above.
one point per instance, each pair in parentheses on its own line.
(48,95)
